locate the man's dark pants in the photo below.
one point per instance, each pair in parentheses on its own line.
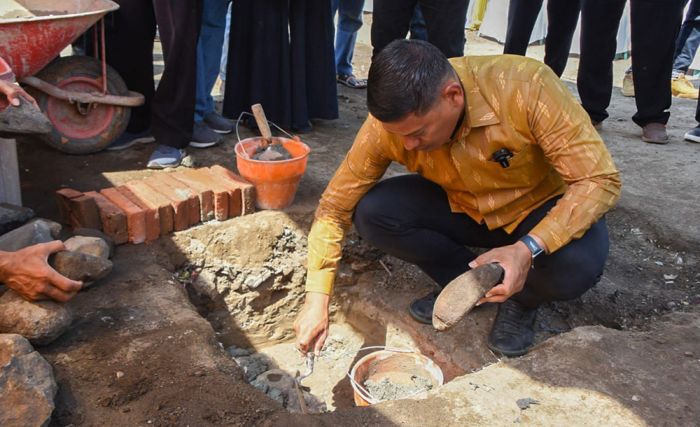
(444,20)
(563,17)
(409,217)
(169,110)
(655,25)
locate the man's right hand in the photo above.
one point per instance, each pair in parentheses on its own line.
(311,325)
(28,273)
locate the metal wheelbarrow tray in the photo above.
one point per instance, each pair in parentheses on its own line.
(86,101)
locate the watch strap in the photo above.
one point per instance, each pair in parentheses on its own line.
(532,245)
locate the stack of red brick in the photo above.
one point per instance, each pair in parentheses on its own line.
(140,211)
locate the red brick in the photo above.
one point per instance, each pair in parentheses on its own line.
(208,195)
(135,216)
(247,189)
(221,196)
(151,215)
(178,201)
(114,222)
(63,197)
(77,209)
(154,200)
(234,192)
(167,183)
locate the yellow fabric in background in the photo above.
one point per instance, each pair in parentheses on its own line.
(478,14)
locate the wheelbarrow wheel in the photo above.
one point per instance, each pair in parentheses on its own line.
(81,128)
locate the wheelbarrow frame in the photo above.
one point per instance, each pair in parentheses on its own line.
(134,99)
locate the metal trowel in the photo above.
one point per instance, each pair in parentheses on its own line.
(271,149)
(461,294)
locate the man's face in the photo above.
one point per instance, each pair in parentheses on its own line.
(434,128)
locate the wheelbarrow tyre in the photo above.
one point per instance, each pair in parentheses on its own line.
(76,133)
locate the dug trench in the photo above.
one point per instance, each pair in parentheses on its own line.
(197,329)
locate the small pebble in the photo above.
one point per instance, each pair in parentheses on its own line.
(119,374)
(635,398)
(688,354)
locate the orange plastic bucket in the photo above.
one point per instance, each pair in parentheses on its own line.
(275,182)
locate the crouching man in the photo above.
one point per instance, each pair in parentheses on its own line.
(503,158)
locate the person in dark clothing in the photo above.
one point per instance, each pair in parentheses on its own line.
(281,55)
(168,113)
(686,47)
(655,25)
(562,19)
(444,21)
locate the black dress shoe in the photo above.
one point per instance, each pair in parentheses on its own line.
(513,331)
(422,309)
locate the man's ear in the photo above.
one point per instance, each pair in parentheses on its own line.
(453,93)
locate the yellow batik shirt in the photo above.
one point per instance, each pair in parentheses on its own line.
(511,102)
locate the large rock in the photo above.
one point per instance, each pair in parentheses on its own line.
(88,245)
(22,119)
(37,231)
(12,216)
(40,322)
(27,384)
(80,266)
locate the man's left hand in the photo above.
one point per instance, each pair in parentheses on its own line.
(515,260)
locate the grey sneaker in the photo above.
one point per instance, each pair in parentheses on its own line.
(165,157)
(219,123)
(693,135)
(203,136)
(128,139)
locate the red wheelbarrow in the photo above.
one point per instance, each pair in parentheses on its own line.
(86,101)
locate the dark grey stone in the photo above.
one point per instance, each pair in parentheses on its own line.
(12,216)
(92,232)
(79,266)
(37,231)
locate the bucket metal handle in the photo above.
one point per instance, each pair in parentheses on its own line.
(366,395)
(245,113)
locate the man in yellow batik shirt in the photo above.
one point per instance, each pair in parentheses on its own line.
(504,158)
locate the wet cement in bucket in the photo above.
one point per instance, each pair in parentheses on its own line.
(271,153)
(386,389)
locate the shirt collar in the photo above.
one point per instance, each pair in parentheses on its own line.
(478,111)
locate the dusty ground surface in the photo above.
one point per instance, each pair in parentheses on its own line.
(146,349)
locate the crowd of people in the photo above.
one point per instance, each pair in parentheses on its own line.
(288,56)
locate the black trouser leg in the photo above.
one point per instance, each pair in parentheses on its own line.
(563,17)
(390,21)
(173,103)
(522,15)
(409,217)
(129,34)
(444,20)
(599,22)
(655,25)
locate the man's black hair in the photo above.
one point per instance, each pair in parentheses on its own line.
(406,77)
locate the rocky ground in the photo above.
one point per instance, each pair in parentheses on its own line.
(148,344)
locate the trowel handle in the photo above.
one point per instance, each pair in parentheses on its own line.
(261,120)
